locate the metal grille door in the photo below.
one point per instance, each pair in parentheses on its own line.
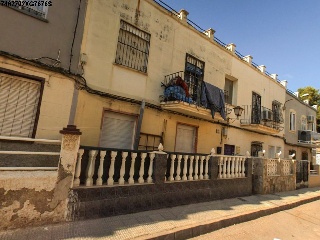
(19,99)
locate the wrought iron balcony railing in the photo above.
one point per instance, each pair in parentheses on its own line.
(182,86)
(262,116)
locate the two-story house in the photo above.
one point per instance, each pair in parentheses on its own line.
(300,128)
(39,55)
(154,77)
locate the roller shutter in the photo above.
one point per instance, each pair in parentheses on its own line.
(117,130)
(185,139)
(19,100)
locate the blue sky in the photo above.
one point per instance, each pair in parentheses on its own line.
(283,35)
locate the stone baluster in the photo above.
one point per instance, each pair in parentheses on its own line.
(90,167)
(190,177)
(201,167)
(228,167)
(178,178)
(141,172)
(110,180)
(220,164)
(196,168)
(237,167)
(240,166)
(123,167)
(76,181)
(150,171)
(100,170)
(184,173)
(243,168)
(172,158)
(206,169)
(232,167)
(131,173)
(224,167)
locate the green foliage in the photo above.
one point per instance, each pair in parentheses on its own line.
(314,99)
(313,95)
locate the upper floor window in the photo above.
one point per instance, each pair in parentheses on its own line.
(292,121)
(276,110)
(228,91)
(133,47)
(303,123)
(36,8)
(194,71)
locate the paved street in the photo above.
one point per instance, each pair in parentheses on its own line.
(190,220)
(302,222)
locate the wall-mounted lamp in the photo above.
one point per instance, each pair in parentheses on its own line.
(237,111)
(284,105)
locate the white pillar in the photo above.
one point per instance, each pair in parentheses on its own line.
(150,171)
(90,167)
(190,177)
(224,167)
(228,167)
(110,180)
(201,167)
(172,158)
(131,173)
(243,168)
(232,167)
(123,167)
(141,172)
(184,176)
(100,170)
(196,168)
(206,175)
(178,178)
(76,181)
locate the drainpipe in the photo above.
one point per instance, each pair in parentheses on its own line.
(137,135)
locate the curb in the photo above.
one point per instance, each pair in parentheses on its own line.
(194,231)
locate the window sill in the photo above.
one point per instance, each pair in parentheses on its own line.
(26,12)
(131,69)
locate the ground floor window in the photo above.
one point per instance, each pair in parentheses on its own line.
(19,105)
(186,138)
(256,147)
(117,130)
(229,149)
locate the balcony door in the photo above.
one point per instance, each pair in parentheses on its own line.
(194,71)
(256,108)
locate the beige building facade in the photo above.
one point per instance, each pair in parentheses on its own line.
(134,50)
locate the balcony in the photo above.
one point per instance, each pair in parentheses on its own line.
(182,94)
(261,119)
(308,137)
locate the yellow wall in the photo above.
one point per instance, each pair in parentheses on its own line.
(171,40)
(56,98)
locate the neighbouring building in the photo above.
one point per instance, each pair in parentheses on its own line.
(39,56)
(151,72)
(301,136)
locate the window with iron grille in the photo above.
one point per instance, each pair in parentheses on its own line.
(276,110)
(149,141)
(194,72)
(133,47)
(19,101)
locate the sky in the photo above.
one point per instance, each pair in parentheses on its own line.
(283,35)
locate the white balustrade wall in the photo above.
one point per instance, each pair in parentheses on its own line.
(231,167)
(121,165)
(287,167)
(188,167)
(272,167)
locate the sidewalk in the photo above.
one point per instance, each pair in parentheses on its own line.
(171,223)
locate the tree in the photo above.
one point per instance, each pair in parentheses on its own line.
(313,96)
